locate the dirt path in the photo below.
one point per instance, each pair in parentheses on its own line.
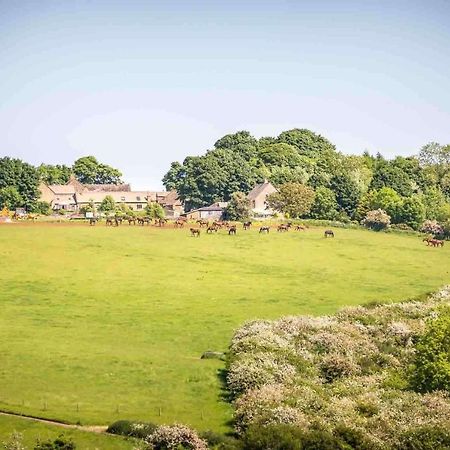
(89,428)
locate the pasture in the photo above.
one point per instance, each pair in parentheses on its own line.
(100,323)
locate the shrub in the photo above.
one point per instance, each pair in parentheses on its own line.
(174,437)
(60,443)
(273,437)
(140,430)
(432,360)
(219,441)
(425,438)
(432,227)
(15,442)
(377,220)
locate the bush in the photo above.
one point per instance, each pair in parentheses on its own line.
(140,430)
(175,437)
(425,438)
(377,220)
(60,443)
(219,441)
(432,360)
(273,437)
(432,227)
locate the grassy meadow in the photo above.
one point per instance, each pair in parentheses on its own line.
(32,431)
(101,323)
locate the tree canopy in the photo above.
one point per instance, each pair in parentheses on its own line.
(88,170)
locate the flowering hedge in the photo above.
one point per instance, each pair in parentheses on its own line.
(347,370)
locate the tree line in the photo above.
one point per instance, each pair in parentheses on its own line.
(314,180)
(19,181)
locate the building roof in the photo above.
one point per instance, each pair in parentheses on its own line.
(259,189)
(108,187)
(62,188)
(118,196)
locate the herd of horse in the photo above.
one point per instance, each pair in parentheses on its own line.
(210,227)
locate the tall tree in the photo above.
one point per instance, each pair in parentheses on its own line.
(307,142)
(21,176)
(10,198)
(89,171)
(58,174)
(346,191)
(238,207)
(292,199)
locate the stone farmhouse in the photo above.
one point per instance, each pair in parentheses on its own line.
(74,195)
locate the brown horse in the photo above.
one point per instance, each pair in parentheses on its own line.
(232,230)
(131,220)
(247,225)
(195,232)
(212,229)
(436,243)
(179,223)
(203,223)
(300,228)
(282,228)
(264,229)
(109,221)
(93,221)
(329,233)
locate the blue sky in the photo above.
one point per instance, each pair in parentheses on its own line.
(142,83)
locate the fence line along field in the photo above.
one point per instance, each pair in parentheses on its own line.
(101,323)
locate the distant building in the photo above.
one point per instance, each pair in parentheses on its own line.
(214,212)
(74,195)
(258,198)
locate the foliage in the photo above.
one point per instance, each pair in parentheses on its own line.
(387,175)
(347,193)
(377,220)
(60,443)
(15,442)
(10,198)
(14,173)
(432,360)
(307,143)
(140,430)
(411,212)
(325,205)
(432,227)
(425,438)
(154,210)
(175,437)
(334,374)
(238,207)
(58,174)
(108,204)
(41,207)
(292,199)
(89,171)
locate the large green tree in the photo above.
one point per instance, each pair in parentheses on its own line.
(346,191)
(238,207)
(88,170)
(292,199)
(21,176)
(54,174)
(325,205)
(10,198)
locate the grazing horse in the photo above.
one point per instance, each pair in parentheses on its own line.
(109,221)
(282,228)
(212,229)
(144,220)
(195,232)
(217,224)
(93,221)
(118,221)
(435,242)
(232,230)
(329,233)
(179,223)
(247,225)
(131,220)
(264,229)
(203,223)
(300,228)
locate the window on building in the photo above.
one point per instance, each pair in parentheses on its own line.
(138,206)
(138,199)
(122,199)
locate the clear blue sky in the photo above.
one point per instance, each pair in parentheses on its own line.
(142,83)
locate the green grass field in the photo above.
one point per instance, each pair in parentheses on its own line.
(32,431)
(103,323)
